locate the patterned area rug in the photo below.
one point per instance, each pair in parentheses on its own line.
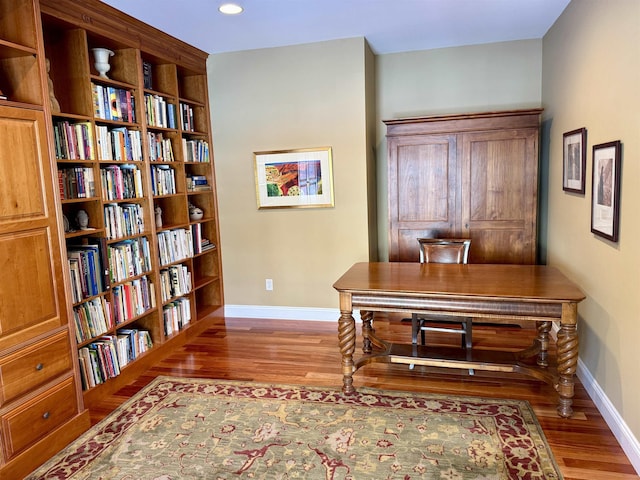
(178,428)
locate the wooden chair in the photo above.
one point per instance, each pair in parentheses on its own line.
(443,250)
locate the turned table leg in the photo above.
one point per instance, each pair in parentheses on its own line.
(543,341)
(347,341)
(567,358)
(367,330)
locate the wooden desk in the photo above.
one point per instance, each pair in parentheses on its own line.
(534,293)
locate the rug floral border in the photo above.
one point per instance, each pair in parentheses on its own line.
(515,420)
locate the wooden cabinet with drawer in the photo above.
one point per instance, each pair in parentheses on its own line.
(41,406)
(34,366)
(37,418)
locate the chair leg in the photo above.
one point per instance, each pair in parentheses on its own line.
(415,326)
(468,339)
(469,333)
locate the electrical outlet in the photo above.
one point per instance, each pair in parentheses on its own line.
(268,284)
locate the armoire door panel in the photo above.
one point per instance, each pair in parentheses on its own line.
(497,186)
(499,192)
(423,179)
(500,246)
(423,185)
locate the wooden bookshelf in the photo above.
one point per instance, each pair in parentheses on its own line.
(136,133)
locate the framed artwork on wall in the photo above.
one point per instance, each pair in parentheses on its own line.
(574,160)
(605,190)
(294,178)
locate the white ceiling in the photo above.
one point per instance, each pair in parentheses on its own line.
(389,26)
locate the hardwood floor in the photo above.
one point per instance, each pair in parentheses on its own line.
(303,352)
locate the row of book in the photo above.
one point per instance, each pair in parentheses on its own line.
(76,182)
(195,150)
(92,319)
(176,315)
(200,243)
(160,148)
(123,220)
(159,112)
(120,144)
(111,103)
(132,298)
(73,141)
(186,118)
(120,182)
(174,282)
(87,271)
(103,359)
(163,180)
(175,245)
(129,258)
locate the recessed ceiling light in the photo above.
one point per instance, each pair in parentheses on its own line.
(230,9)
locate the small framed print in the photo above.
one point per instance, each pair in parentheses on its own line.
(605,201)
(574,160)
(294,178)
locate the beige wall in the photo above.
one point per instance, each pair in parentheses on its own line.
(591,76)
(284,98)
(477,78)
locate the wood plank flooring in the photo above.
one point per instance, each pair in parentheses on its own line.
(306,353)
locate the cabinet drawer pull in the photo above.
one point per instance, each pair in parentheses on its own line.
(39,366)
(46,415)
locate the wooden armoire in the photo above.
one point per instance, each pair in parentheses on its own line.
(465,176)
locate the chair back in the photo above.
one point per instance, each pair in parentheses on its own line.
(444,250)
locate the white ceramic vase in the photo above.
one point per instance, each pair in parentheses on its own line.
(101,56)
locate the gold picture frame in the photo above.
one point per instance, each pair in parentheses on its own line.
(299,178)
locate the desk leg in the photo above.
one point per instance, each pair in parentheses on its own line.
(347,341)
(567,357)
(367,330)
(543,341)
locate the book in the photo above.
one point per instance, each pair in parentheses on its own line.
(147,73)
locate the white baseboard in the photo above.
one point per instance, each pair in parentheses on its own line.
(285,313)
(616,423)
(618,426)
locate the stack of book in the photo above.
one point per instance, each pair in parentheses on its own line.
(73,141)
(76,182)
(195,150)
(163,180)
(175,245)
(120,182)
(92,319)
(123,220)
(112,103)
(160,148)
(176,315)
(197,182)
(119,144)
(87,271)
